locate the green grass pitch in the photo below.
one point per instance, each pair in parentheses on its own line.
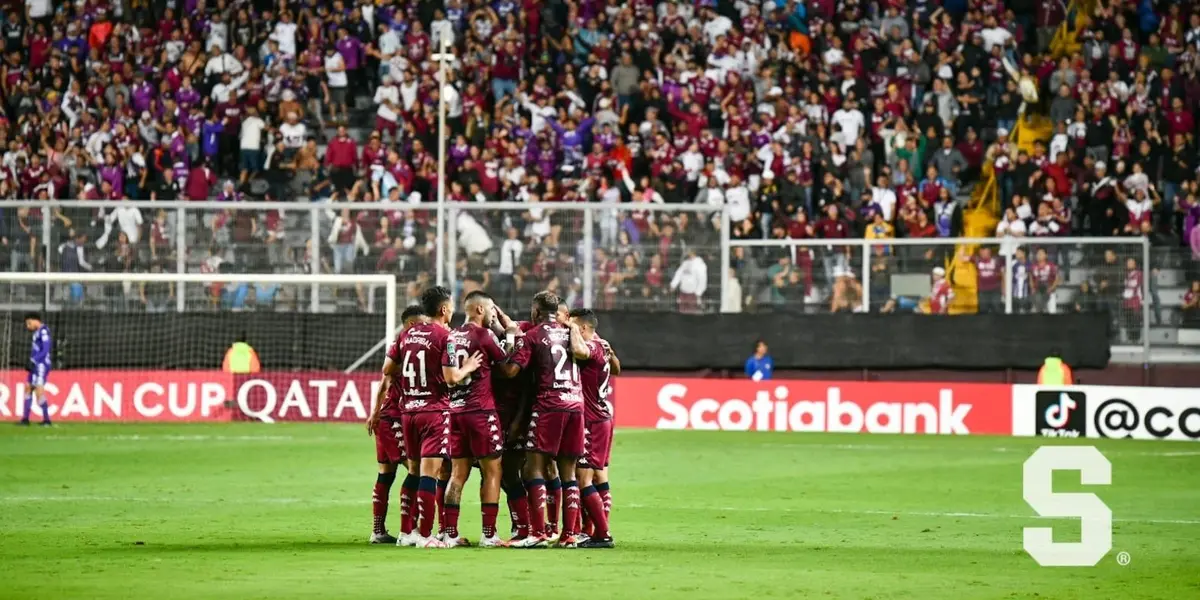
(252,511)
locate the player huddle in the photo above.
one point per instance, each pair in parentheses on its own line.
(528,403)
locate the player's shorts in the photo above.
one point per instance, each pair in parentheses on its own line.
(556,433)
(597,444)
(476,435)
(427,435)
(389,442)
(38,376)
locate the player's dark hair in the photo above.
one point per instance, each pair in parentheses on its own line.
(585,315)
(33,314)
(411,312)
(433,298)
(546,303)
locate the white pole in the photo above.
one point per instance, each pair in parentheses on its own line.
(867,250)
(726,234)
(442,57)
(1146,301)
(181,249)
(314,232)
(589,267)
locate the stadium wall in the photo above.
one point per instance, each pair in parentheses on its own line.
(659,341)
(946,408)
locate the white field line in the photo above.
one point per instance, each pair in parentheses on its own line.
(932,448)
(735,509)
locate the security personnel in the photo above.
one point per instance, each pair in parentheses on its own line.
(1054,371)
(240,358)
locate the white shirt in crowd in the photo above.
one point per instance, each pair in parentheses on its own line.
(851,121)
(218,36)
(737,198)
(388,99)
(886,199)
(127,219)
(408,93)
(510,256)
(293,134)
(223,63)
(454,107)
(995,36)
(335,71)
(285,36)
(222,92)
(39,8)
(691,277)
(251,134)
(389,44)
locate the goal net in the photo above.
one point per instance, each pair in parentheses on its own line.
(117,335)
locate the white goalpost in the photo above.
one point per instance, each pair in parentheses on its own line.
(136,310)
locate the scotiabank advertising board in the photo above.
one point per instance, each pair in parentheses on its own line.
(851,407)
(645,402)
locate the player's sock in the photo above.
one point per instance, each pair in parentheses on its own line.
(593,505)
(518,509)
(586,527)
(408,500)
(536,489)
(441,504)
(426,505)
(554,496)
(28,408)
(489,511)
(450,522)
(570,516)
(45,411)
(606,496)
(379,501)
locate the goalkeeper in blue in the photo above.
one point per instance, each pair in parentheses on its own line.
(40,360)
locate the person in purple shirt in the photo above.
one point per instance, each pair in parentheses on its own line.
(210,136)
(351,49)
(142,92)
(572,138)
(187,96)
(112,172)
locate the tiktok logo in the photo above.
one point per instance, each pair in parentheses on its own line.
(1058,414)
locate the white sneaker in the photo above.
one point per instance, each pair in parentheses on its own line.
(529,541)
(431,542)
(491,542)
(456,542)
(408,540)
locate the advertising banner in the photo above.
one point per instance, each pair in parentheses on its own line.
(123,395)
(304,396)
(1106,411)
(850,407)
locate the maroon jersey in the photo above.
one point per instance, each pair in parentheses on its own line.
(547,353)
(990,272)
(419,354)
(1044,275)
(474,393)
(393,402)
(595,376)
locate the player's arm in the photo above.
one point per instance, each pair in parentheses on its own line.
(518,360)
(614,363)
(579,346)
(456,374)
(385,382)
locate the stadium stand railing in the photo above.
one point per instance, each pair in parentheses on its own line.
(642,255)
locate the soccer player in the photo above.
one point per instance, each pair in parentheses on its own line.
(39,365)
(595,377)
(385,424)
(556,430)
(417,364)
(475,433)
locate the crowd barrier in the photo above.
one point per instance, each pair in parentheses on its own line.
(650,402)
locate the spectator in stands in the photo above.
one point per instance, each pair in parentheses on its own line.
(760,366)
(1191,305)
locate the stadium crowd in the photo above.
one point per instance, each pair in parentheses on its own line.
(819,119)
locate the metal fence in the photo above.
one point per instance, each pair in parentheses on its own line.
(637,256)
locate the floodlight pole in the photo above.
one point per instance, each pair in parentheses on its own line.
(443,57)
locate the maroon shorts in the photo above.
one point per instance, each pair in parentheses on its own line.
(382,124)
(427,435)
(476,435)
(558,433)
(389,442)
(597,444)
